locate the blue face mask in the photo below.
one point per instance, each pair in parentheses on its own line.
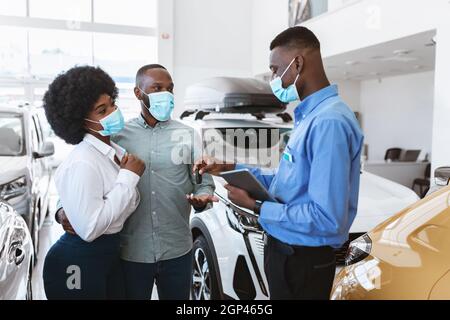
(112,123)
(288,94)
(161,104)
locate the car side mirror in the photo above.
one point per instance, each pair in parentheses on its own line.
(442,176)
(47,150)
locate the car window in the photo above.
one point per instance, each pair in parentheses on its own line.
(11,135)
(45,126)
(34,137)
(38,130)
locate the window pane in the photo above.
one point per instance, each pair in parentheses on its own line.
(13,52)
(78,10)
(11,141)
(53,51)
(11,95)
(13,8)
(130,12)
(122,55)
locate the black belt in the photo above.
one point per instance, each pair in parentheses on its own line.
(290,249)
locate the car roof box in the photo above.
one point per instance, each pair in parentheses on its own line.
(232,95)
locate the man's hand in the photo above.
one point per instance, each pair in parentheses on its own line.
(240,197)
(62,219)
(199,202)
(133,163)
(211,165)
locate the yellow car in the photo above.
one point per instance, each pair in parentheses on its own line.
(405,257)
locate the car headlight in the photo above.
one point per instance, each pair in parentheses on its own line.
(241,222)
(358,250)
(13,189)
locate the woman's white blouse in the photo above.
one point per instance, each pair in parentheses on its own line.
(96,194)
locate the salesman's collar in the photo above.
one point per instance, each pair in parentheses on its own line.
(313,100)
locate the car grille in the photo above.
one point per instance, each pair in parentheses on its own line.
(257,243)
(341,253)
(260,244)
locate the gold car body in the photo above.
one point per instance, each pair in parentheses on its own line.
(409,256)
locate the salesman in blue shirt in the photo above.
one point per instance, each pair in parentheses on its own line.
(317,181)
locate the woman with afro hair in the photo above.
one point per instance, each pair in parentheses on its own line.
(96,185)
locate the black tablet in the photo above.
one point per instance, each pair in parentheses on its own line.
(244,179)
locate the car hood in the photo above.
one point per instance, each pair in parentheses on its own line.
(417,235)
(380,196)
(12,167)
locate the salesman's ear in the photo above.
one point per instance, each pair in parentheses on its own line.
(299,61)
(138,93)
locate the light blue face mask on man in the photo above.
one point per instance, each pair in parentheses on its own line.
(288,94)
(161,104)
(112,123)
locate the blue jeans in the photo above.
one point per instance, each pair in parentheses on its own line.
(172,277)
(75,269)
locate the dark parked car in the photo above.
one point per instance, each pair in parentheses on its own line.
(16,256)
(25,171)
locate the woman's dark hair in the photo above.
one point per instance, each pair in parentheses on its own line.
(71,96)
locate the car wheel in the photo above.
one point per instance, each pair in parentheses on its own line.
(204,281)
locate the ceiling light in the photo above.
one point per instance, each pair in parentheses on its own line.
(351,63)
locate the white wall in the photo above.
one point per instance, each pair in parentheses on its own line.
(165,33)
(441,124)
(398,112)
(211,38)
(350,92)
(269,18)
(370,22)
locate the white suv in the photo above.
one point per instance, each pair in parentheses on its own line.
(228,245)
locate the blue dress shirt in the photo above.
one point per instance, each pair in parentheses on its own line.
(317,181)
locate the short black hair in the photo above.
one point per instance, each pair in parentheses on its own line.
(296,38)
(71,96)
(140,73)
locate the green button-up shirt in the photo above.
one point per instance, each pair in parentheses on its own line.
(159,228)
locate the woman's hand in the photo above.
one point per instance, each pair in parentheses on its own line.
(65,223)
(133,163)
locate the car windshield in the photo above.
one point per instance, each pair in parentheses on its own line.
(253,146)
(11,135)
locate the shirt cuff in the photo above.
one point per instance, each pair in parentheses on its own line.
(128,178)
(270,211)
